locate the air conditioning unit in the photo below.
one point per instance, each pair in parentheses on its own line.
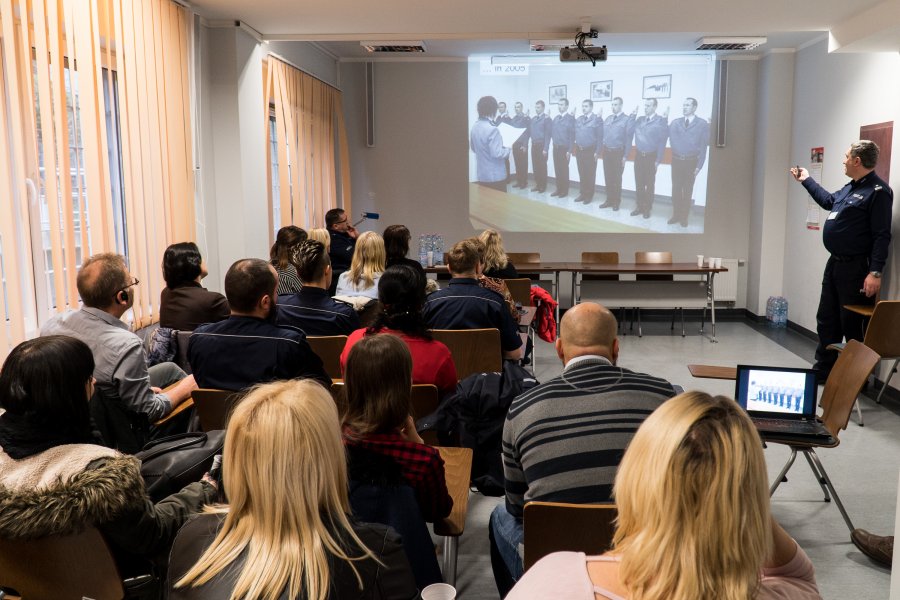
(730,43)
(406,46)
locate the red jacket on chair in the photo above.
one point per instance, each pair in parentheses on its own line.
(545,319)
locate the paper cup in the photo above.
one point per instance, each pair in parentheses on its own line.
(699,260)
(430,258)
(718,263)
(439,591)
(711,262)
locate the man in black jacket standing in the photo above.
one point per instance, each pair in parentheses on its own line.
(857,233)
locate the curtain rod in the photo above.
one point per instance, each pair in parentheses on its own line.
(314,76)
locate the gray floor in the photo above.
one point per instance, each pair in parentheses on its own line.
(864,468)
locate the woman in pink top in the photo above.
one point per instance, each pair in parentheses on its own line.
(694,519)
(402,295)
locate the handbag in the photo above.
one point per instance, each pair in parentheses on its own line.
(170,463)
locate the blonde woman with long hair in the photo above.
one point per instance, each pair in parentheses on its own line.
(368,262)
(286,533)
(321,235)
(694,520)
(496,262)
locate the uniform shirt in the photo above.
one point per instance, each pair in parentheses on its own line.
(120,365)
(316,313)
(860,219)
(431,359)
(521,121)
(490,155)
(539,130)
(563,131)
(466,305)
(618,131)
(588,132)
(242,351)
(189,306)
(341,251)
(650,135)
(690,141)
(421,466)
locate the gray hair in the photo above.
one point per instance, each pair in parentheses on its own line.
(867,151)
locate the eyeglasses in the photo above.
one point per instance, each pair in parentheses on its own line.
(133,283)
(341,222)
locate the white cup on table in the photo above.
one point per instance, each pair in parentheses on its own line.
(718,263)
(439,591)
(711,262)
(430,258)
(699,260)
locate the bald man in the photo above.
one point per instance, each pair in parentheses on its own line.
(563,439)
(128,397)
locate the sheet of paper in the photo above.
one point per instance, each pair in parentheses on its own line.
(509,133)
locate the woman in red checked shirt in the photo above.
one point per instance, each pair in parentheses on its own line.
(383,446)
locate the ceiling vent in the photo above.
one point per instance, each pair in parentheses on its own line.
(405,46)
(730,43)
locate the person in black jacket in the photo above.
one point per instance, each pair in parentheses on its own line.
(287,531)
(396,246)
(496,263)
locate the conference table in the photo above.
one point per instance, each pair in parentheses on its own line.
(649,293)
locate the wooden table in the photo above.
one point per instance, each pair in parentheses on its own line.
(579,268)
(713,372)
(457,472)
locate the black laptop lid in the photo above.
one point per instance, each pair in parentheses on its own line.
(779,392)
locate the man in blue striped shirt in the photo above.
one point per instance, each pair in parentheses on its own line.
(563,440)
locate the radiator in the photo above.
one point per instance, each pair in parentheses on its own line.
(727,282)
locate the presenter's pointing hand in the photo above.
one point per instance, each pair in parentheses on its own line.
(799,173)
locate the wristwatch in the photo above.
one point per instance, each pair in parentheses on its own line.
(875,274)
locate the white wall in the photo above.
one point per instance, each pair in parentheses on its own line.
(417,173)
(834,94)
(770,186)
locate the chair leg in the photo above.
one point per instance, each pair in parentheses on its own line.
(787,467)
(888,380)
(450,549)
(682,322)
(672,327)
(640,331)
(819,477)
(837,499)
(859,413)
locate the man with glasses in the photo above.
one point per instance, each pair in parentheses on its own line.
(128,396)
(343,243)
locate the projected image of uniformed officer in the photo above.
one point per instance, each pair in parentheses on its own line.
(650,133)
(689,138)
(539,130)
(563,135)
(588,141)
(520,146)
(618,130)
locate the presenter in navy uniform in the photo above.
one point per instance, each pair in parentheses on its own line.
(520,146)
(689,138)
(563,135)
(487,144)
(588,141)
(857,233)
(540,130)
(650,134)
(618,129)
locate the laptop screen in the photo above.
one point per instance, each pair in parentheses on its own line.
(776,391)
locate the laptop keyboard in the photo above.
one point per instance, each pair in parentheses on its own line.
(776,425)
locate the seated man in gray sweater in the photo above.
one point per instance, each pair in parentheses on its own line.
(563,439)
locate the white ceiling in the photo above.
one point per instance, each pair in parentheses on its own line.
(463,27)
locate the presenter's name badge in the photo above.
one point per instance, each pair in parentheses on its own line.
(503,69)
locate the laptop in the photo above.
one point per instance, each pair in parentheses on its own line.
(781,402)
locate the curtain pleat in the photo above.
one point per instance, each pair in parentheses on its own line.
(312,154)
(71,69)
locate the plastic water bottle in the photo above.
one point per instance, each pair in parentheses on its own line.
(423,250)
(438,249)
(781,312)
(770,310)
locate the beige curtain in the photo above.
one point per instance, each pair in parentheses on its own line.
(95,148)
(311,145)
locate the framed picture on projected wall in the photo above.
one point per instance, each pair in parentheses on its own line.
(557,92)
(657,86)
(601,91)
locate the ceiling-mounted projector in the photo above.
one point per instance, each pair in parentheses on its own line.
(587,54)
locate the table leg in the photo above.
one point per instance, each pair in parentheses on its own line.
(712,304)
(556,290)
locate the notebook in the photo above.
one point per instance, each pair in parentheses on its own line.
(781,401)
